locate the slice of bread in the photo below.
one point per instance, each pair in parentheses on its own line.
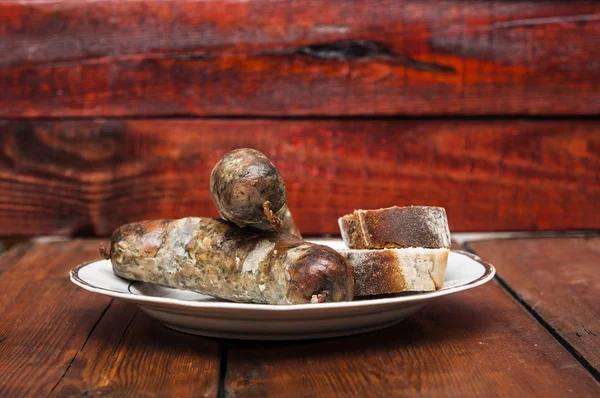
(397,270)
(396,227)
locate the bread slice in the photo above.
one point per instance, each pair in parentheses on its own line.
(396,227)
(397,270)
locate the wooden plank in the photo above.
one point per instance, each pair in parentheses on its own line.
(477,343)
(65,177)
(45,326)
(116,58)
(558,279)
(130,354)
(44,318)
(9,242)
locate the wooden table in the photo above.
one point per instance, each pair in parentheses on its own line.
(533,331)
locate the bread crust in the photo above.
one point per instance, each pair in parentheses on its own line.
(397,270)
(396,227)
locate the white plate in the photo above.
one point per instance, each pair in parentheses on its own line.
(204,315)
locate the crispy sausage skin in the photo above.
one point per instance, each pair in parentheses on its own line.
(248,190)
(215,257)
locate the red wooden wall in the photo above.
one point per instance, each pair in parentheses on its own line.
(114,111)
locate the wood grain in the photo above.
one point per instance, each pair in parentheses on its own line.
(49,330)
(559,279)
(65,177)
(476,343)
(130,354)
(116,58)
(44,318)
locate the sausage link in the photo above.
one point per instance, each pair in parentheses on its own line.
(215,257)
(248,190)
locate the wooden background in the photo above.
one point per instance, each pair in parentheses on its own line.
(115,111)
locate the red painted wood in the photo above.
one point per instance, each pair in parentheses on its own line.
(116,58)
(64,177)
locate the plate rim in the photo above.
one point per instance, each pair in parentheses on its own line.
(489,273)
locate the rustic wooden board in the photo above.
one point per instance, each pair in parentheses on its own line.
(476,343)
(44,319)
(559,279)
(130,354)
(50,335)
(110,57)
(90,177)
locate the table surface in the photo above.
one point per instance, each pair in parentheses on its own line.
(533,331)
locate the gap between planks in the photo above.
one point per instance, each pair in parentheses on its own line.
(83,346)
(553,332)
(223,353)
(497,117)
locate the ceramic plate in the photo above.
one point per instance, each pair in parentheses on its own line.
(204,315)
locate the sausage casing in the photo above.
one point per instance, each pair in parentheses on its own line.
(215,257)
(248,190)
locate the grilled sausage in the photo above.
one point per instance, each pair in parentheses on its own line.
(248,190)
(215,257)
